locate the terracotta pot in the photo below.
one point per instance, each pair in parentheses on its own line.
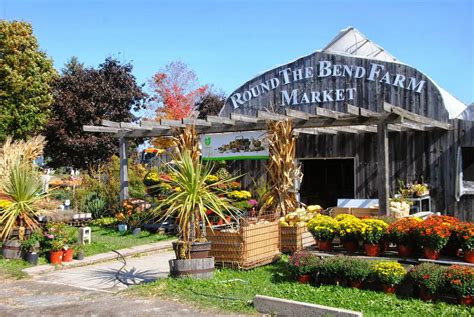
(303,279)
(426,295)
(67,255)
(389,289)
(55,257)
(355,284)
(325,245)
(227,219)
(430,253)
(351,245)
(372,249)
(404,251)
(469,256)
(466,300)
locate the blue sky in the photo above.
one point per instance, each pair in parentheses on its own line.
(228,42)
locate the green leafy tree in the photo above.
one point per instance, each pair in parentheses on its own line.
(26,79)
(85,96)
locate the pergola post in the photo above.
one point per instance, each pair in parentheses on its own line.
(383,167)
(123,148)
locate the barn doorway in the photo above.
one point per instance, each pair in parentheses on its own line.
(326,180)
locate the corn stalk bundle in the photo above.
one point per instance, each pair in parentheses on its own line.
(13,152)
(187,139)
(282,170)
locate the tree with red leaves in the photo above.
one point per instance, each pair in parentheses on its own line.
(176,91)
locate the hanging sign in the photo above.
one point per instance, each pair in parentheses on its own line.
(248,145)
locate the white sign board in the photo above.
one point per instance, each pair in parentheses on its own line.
(248,145)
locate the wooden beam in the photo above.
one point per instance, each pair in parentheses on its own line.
(365,128)
(94,128)
(415,117)
(307,131)
(265,115)
(220,120)
(123,150)
(196,122)
(243,118)
(112,124)
(133,126)
(414,126)
(358,111)
(344,129)
(172,123)
(295,114)
(154,125)
(382,168)
(326,113)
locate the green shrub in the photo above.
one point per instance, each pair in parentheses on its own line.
(357,270)
(333,267)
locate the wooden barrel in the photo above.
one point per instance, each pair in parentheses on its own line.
(11,249)
(196,268)
(200,250)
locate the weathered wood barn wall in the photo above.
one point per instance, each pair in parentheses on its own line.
(428,155)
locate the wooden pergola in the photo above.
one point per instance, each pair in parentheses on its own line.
(354,120)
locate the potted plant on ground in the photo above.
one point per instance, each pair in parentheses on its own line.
(434,234)
(79,248)
(324,229)
(54,241)
(465,235)
(357,272)
(332,270)
(25,189)
(70,239)
(390,274)
(302,264)
(31,247)
(372,232)
(350,228)
(461,281)
(189,206)
(403,233)
(429,278)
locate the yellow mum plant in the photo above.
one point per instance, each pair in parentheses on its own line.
(323,228)
(373,230)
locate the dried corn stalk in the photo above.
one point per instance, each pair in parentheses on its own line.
(188,139)
(282,170)
(19,151)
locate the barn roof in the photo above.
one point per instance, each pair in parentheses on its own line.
(351,42)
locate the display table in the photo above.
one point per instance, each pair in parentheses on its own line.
(418,204)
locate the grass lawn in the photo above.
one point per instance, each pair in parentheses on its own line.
(103,240)
(234,290)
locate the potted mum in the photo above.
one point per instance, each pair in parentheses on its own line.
(429,278)
(332,270)
(55,240)
(465,234)
(350,228)
(403,233)
(357,272)
(324,229)
(461,281)
(372,232)
(70,240)
(301,264)
(389,274)
(190,205)
(434,235)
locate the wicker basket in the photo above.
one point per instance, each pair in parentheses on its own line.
(295,239)
(251,246)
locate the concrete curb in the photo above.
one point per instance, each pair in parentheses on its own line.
(102,257)
(284,307)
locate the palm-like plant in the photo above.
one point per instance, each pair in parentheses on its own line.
(24,187)
(194,198)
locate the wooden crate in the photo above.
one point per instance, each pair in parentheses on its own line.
(251,246)
(358,212)
(295,239)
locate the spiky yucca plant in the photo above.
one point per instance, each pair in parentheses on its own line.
(194,198)
(24,187)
